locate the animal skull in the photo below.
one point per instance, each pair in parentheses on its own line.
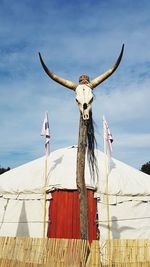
(84,98)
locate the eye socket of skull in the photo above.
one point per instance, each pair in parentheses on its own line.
(85,106)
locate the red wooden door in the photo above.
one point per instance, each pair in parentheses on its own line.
(64,215)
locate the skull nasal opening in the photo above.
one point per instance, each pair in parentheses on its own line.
(84,106)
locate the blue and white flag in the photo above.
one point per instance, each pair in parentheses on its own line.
(46,133)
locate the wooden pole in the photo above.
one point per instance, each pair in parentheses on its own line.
(80,179)
(44,212)
(107,200)
(107,192)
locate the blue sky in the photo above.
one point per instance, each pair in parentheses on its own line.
(74,37)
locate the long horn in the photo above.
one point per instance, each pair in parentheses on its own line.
(95,82)
(56,78)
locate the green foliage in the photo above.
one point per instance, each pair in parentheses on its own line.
(2,170)
(146,168)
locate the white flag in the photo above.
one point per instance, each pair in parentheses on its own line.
(46,133)
(107,138)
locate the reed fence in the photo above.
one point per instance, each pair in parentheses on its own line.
(120,253)
(45,252)
(36,252)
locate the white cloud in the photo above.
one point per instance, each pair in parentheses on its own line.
(137,141)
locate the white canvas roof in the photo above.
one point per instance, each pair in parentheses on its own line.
(29,178)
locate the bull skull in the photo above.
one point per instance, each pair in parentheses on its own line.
(84,94)
(84,98)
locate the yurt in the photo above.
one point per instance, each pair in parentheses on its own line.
(22,199)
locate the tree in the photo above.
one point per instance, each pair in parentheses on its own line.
(146,168)
(2,170)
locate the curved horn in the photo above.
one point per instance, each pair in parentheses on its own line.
(95,82)
(56,78)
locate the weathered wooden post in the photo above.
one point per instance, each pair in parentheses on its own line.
(84,98)
(80,179)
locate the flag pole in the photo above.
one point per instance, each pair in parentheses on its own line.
(44,213)
(105,135)
(46,133)
(107,196)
